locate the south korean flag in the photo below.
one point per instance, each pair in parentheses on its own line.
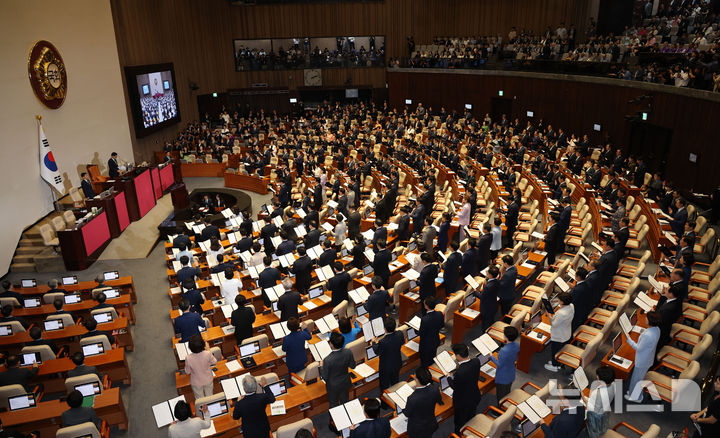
(49,170)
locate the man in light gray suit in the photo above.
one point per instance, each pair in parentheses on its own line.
(428,236)
(334,371)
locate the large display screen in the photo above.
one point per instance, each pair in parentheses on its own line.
(153,97)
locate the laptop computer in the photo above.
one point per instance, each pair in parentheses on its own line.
(411,334)
(93,349)
(21,402)
(28,359)
(360,310)
(53,325)
(278,388)
(246,353)
(314,293)
(30,303)
(89,389)
(111,293)
(370,353)
(111,275)
(104,317)
(6,330)
(28,282)
(217,408)
(469,300)
(367,269)
(72,298)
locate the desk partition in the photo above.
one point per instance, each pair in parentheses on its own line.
(82,245)
(144,192)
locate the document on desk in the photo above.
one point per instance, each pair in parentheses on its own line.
(537,235)
(233,365)
(414,346)
(277,408)
(414,322)
(544,327)
(309,305)
(470,313)
(364,370)
(210,431)
(488,369)
(528,265)
(163,412)
(399,424)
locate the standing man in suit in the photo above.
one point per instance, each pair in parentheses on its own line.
(380,232)
(317,195)
(451,269)
(338,284)
(294,345)
(388,349)
(552,239)
(670,308)
(443,234)
(376,302)
(251,407)
(483,247)
(353,222)
(209,231)
(420,406)
(464,383)
(680,217)
(372,427)
(568,423)
(564,220)
(506,290)
(381,262)
(267,279)
(403,229)
(427,277)
(329,255)
(113,167)
(469,260)
(242,319)
(645,349)
(289,301)
(607,264)
(488,298)
(312,238)
(186,325)
(582,299)
(302,268)
(428,236)
(511,220)
(430,325)
(86,186)
(334,371)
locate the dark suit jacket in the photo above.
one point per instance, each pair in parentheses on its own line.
(511,217)
(288,305)
(375,304)
(81,370)
(251,409)
(451,272)
(488,298)
(379,234)
(113,168)
(209,232)
(327,257)
(87,188)
(375,428)
(565,424)
(338,285)
(583,301)
(196,299)
(358,254)
(443,236)
(469,263)
(242,319)
(426,280)
(420,411)
(678,221)
(187,325)
(187,272)
(17,376)
(353,224)
(552,239)
(669,313)
(464,383)
(75,416)
(302,268)
(403,229)
(506,290)
(483,249)
(430,326)
(335,370)
(606,269)
(388,348)
(312,238)
(381,264)
(317,197)
(285,247)
(244,244)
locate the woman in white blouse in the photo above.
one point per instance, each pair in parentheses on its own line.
(560,329)
(599,403)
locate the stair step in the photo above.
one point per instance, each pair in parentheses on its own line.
(29,250)
(26,241)
(22,267)
(24,258)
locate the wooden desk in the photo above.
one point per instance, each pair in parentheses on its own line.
(123,284)
(84,243)
(529,345)
(46,416)
(122,304)
(202,169)
(247,182)
(463,324)
(52,373)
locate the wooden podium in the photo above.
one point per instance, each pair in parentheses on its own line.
(115,206)
(179,194)
(83,244)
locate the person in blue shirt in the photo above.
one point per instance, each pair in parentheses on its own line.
(505,374)
(294,345)
(644,355)
(349,329)
(187,324)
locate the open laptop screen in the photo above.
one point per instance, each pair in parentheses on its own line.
(93,349)
(218,408)
(21,402)
(88,389)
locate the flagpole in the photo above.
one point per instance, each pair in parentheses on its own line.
(56,204)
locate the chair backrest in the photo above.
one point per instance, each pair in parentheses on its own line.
(710,322)
(269,378)
(8,391)
(402,286)
(290,430)
(357,347)
(518,319)
(69,216)
(340,311)
(49,298)
(217,353)
(700,225)
(691,371)
(701,347)
(67,319)
(654,430)
(96,340)
(16,326)
(633,212)
(629,203)
(47,234)
(640,222)
(590,350)
(262,339)
(502,423)
(452,305)
(75,196)
(209,399)
(72,382)
(45,351)
(87,429)
(112,310)
(9,301)
(58,223)
(312,371)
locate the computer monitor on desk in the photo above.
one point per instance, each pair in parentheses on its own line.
(217,408)
(28,282)
(111,275)
(72,298)
(53,325)
(89,389)
(69,280)
(248,350)
(278,388)
(93,349)
(21,402)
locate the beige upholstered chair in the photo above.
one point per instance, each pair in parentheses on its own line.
(58,223)
(48,235)
(289,430)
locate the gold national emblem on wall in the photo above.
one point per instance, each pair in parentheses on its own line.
(46,71)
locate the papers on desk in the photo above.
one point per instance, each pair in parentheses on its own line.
(400,396)
(411,274)
(287,260)
(399,424)
(445,362)
(279,330)
(327,323)
(277,408)
(275,292)
(300,212)
(300,230)
(374,329)
(657,285)
(414,323)
(176,266)
(596,246)
(233,387)
(625,324)
(175,290)
(579,378)
(485,344)
(527,264)
(309,305)
(182,349)
(325,273)
(314,252)
(396,265)
(364,370)
(348,414)
(164,412)
(645,302)
(368,235)
(562,284)
(227,213)
(332,204)
(228,330)
(369,203)
(543,327)
(359,295)
(392,226)
(605,206)
(320,350)
(469,279)
(254,271)
(326,226)
(488,369)
(414,346)
(470,313)
(324,298)
(534,409)
(370,255)
(537,235)
(233,365)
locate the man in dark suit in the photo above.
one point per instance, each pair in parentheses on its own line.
(552,239)
(183,240)
(209,231)
(469,259)
(289,301)
(388,350)
(311,216)
(338,284)
(86,186)
(78,414)
(353,222)
(403,229)
(242,319)
(286,246)
(342,202)
(451,269)
(607,263)
(312,238)
(427,277)
(329,255)
(186,324)
(582,298)
(36,336)
(252,407)
(334,371)
(317,195)
(187,272)
(670,308)
(16,375)
(381,262)
(81,369)
(680,217)
(506,289)
(690,232)
(430,325)
(483,247)
(380,232)
(266,234)
(623,233)
(418,217)
(372,427)
(245,242)
(302,268)
(267,279)
(466,394)
(488,297)
(378,299)
(567,423)
(564,220)
(113,167)
(222,265)
(420,406)
(511,220)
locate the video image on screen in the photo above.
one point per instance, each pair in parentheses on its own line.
(157,98)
